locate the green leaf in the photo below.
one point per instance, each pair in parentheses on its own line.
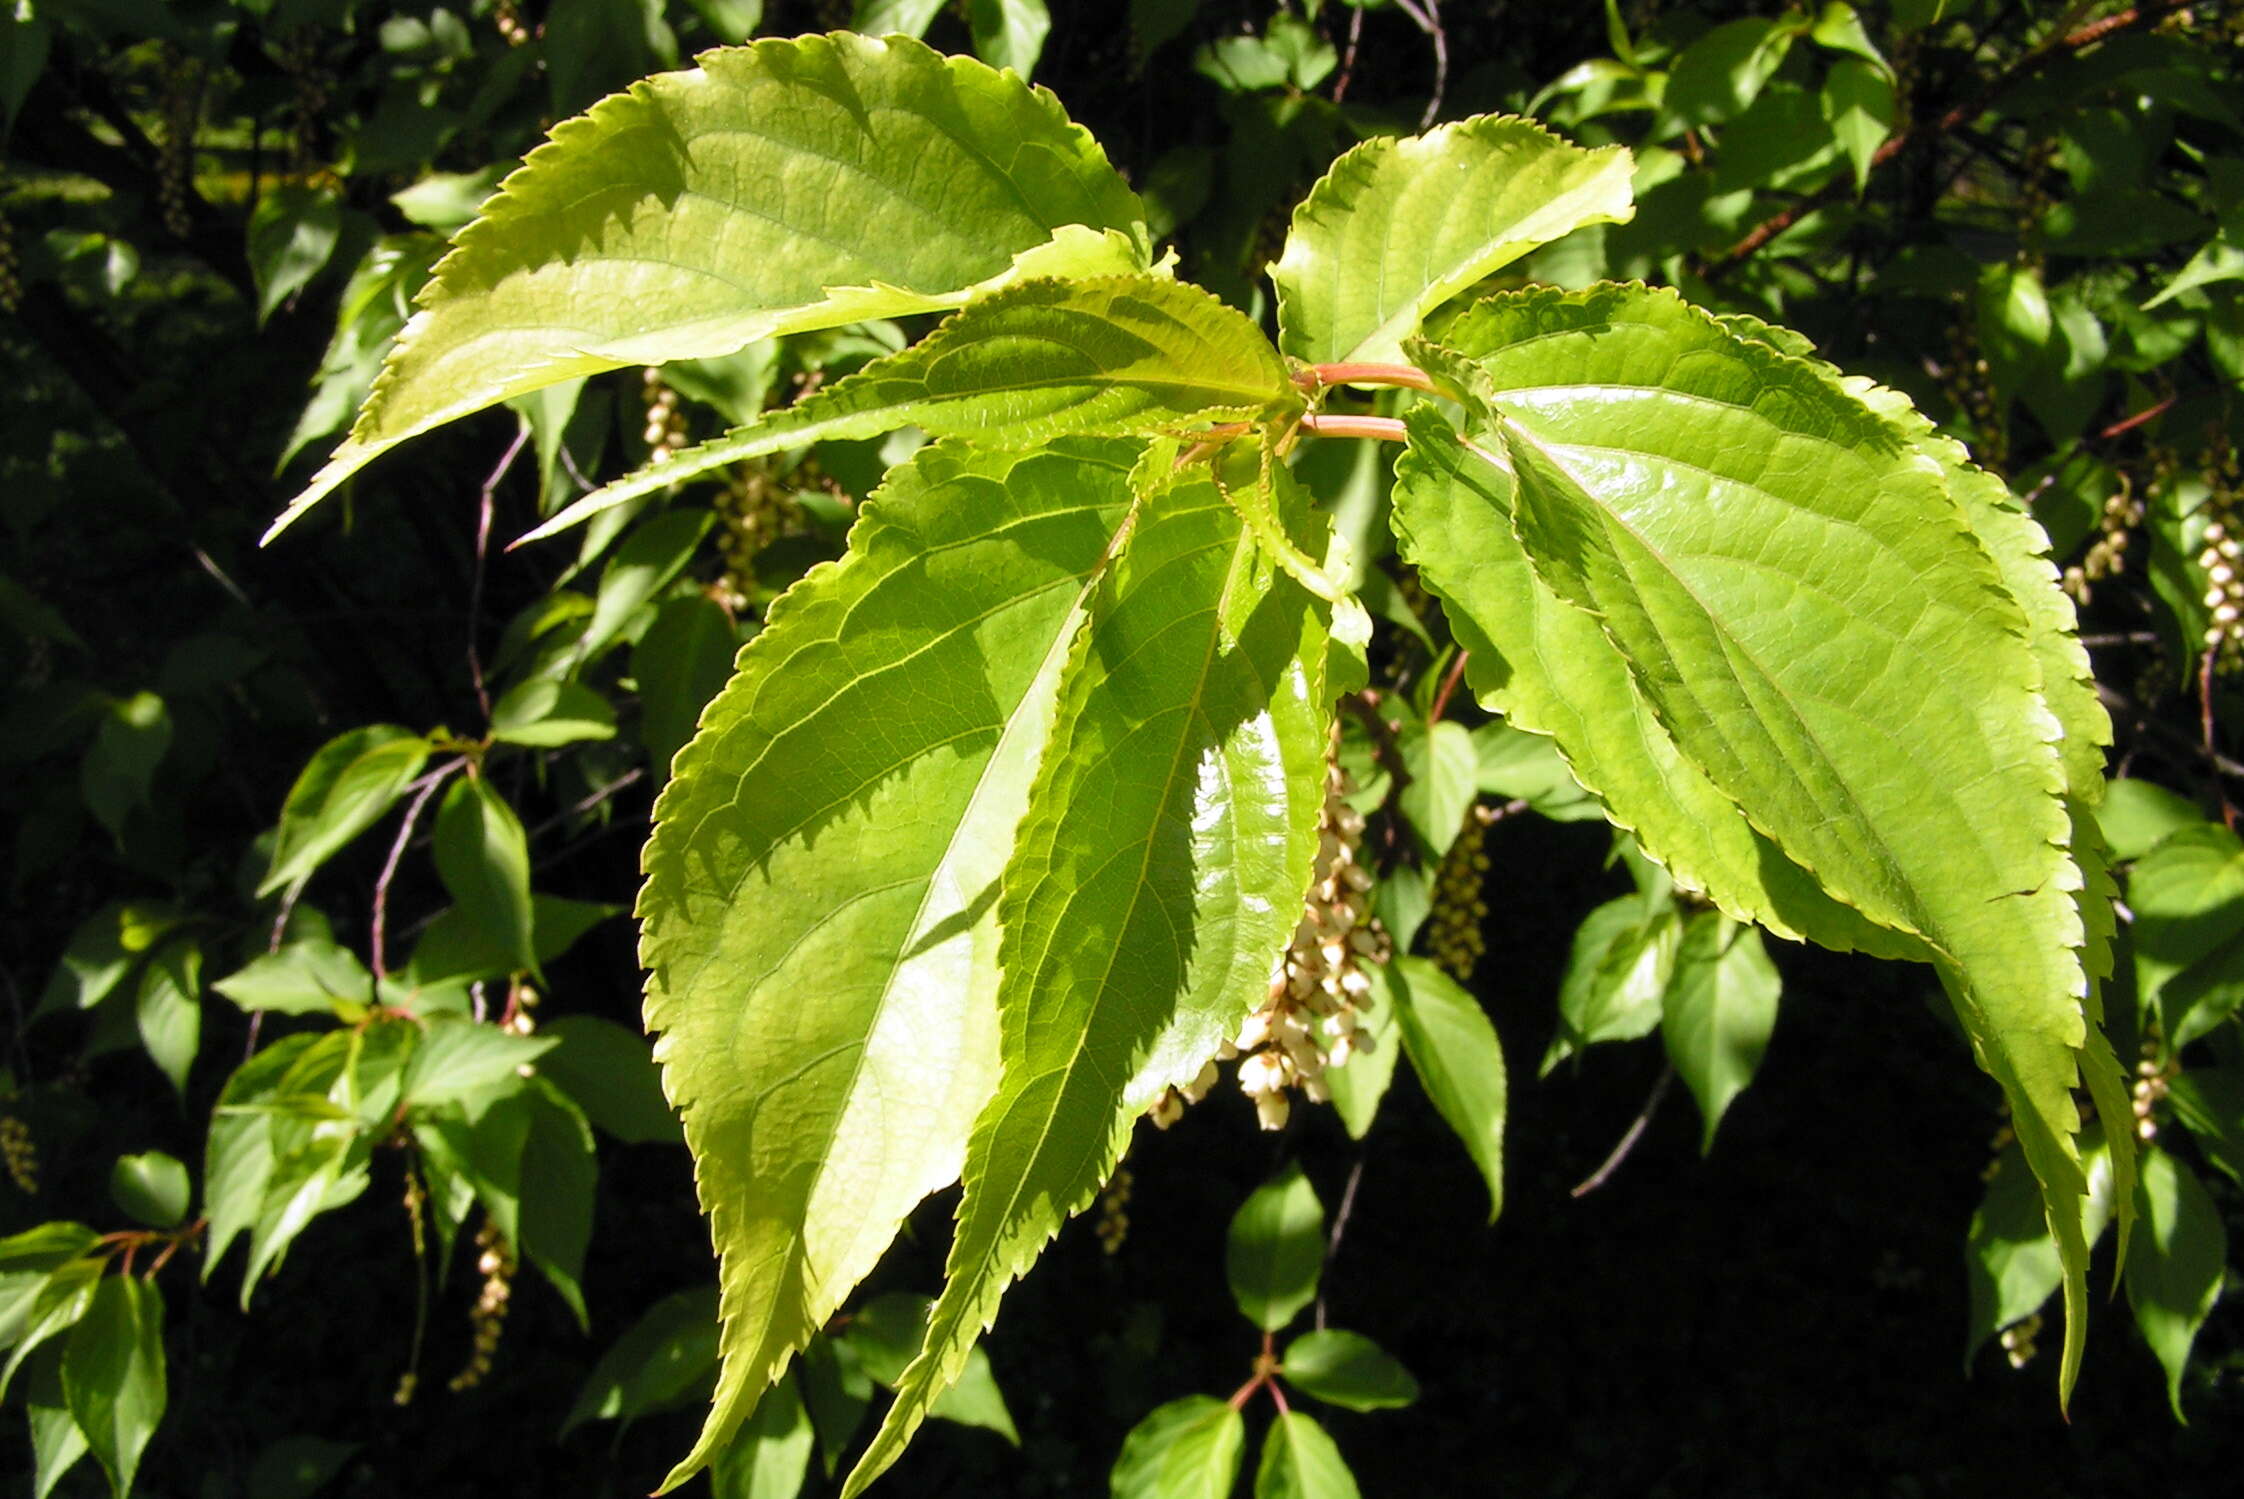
(238,1158)
(665,1358)
(26,1261)
(543,713)
(103,949)
(292,233)
(2174,1276)
(885,1333)
(2188,898)
(681,661)
(113,1374)
(837,1392)
(1358,1087)
(56,1441)
(1616,975)
(1109,357)
(1839,28)
(1551,670)
(120,765)
(771,1456)
(1718,1011)
(2010,1261)
(1300,1462)
(297,1467)
(2210,1100)
(642,567)
(1399,226)
(458,1056)
(151,1187)
(2135,815)
(1720,74)
(1008,33)
(62,1297)
(483,858)
(1453,1049)
(306,977)
(1860,106)
(457,946)
(1844,575)
(1276,1249)
(775,188)
(1187,1449)
(1444,768)
(1157,875)
(969,569)
(611,1075)
(1348,1370)
(343,791)
(528,1153)
(169,1011)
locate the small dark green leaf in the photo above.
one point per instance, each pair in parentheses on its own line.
(102,951)
(457,947)
(2174,1270)
(1358,1087)
(1721,73)
(483,858)
(680,663)
(649,558)
(1453,1049)
(1008,33)
(1718,1012)
(1444,771)
(292,234)
(885,1333)
(1858,104)
(1348,1370)
(2010,1261)
(152,1187)
(120,764)
(113,1375)
(2188,898)
(610,1072)
(309,977)
(1300,1462)
(1187,1449)
(543,713)
(2135,815)
(2210,1100)
(169,1010)
(343,791)
(296,1467)
(1275,1250)
(668,1356)
(771,1456)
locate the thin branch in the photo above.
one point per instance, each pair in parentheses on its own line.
(1348,58)
(482,558)
(1426,15)
(1635,1133)
(1448,688)
(1339,1227)
(425,788)
(2119,705)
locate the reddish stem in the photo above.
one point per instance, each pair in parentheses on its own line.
(1383,428)
(1318,375)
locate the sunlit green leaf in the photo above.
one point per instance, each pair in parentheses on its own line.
(544,713)
(168,1010)
(113,1374)
(1454,1050)
(1347,1369)
(968,569)
(1718,1012)
(1300,1462)
(1275,1250)
(770,1457)
(292,232)
(1616,975)
(305,977)
(1187,1449)
(1157,875)
(1399,226)
(483,858)
(776,187)
(2174,1275)
(885,1332)
(152,1187)
(343,791)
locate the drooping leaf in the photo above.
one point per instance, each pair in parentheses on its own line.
(152,1187)
(1108,357)
(1157,875)
(2175,1274)
(1348,1370)
(1453,1049)
(885,1332)
(1399,226)
(1187,1449)
(2210,1100)
(661,1360)
(305,977)
(771,1456)
(483,858)
(343,791)
(61,1298)
(1358,1087)
(1008,33)
(654,553)
(168,1010)
(968,569)
(56,1441)
(1550,669)
(2188,898)
(1299,1461)
(26,1261)
(777,187)
(2011,1265)
(113,1375)
(1616,975)
(1444,772)
(1718,1011)
(1719,75)
(238,1158)
(1766,603)
(1276,1249)
(611,1075)
(543,713)
(292,232)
